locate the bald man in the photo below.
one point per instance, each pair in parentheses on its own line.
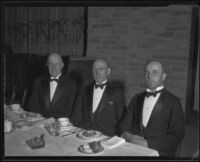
(155,117)
(99,105)
(53,95)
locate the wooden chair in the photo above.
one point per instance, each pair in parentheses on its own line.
(18,95)
(195,155)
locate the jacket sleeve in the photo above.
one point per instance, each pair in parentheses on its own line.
(120,106)
(71,99)
(127,120)
(76,117)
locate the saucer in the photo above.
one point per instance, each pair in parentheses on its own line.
(82,136)
(87,150)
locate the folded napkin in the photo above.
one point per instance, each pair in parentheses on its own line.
(113,142)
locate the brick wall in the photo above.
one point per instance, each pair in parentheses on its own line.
(129,36)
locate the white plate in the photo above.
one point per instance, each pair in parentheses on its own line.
(23,125)
(19,111)
(34,119)
(87,150)
(81,135)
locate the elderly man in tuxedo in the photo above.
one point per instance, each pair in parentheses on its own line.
(53,95)
(99,105)
(155,117)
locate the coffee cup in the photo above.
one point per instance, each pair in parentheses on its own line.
(8,126)
(63,122)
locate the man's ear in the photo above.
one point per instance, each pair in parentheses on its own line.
(63,65)
(164,77)
(108,71)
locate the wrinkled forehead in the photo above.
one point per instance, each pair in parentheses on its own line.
(154,66)
(99,63)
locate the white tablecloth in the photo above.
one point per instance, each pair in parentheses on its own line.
(63,146)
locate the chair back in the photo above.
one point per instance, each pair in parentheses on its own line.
(195,155)
(18,95)
(178,151)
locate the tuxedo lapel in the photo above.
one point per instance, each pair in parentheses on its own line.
(89,98)
(157,108)
(46,91)
(104,98)
(58,91)
(139,115)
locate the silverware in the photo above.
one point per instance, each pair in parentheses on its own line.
(73,132)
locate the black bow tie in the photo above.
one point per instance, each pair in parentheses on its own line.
(99,85)
(53,79)
(152,93)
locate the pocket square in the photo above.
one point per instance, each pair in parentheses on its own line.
(110,103)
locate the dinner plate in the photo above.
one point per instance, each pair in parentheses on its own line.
(87,150)
(20,111)
(82,136)
(34,119)
(23,125)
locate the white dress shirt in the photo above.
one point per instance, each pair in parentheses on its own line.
(149,103)
(53,85)
(97,95)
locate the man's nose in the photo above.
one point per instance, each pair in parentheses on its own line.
(148,75)
(97,71)
(53,66)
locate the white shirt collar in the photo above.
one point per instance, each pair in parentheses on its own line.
(57,77)
(102,82)
(157,89)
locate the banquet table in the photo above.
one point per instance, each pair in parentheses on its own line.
(15,144)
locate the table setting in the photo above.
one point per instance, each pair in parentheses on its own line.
(30,134)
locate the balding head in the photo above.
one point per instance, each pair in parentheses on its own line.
(55,64)
(101,71)
(54,56)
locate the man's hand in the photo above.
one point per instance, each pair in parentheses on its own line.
(141,142)
(138,140)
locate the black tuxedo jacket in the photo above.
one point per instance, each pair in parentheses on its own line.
(108,114)
(62,101)
(165,128)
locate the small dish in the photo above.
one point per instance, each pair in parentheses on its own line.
(31,117)
(86,149)
(89,134)
(63,119)
(22,124)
